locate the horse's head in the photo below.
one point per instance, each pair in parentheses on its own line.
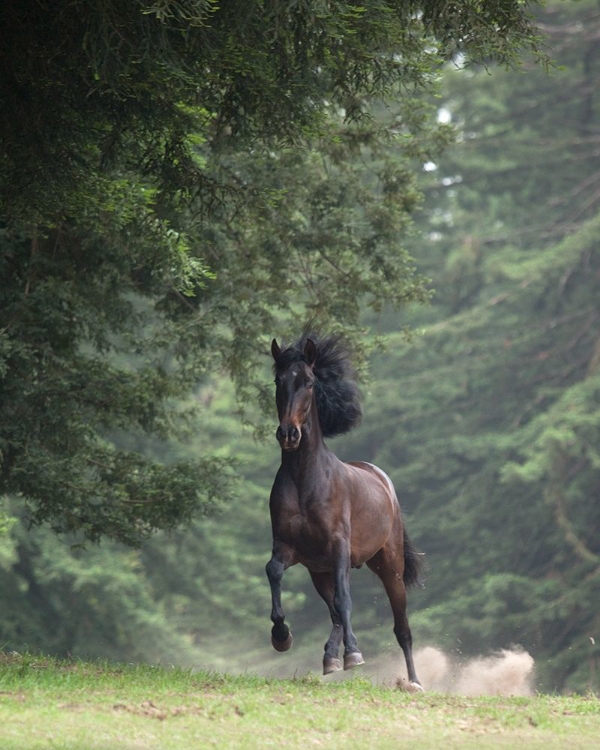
(294,393)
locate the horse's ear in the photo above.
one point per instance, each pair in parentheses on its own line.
(310,352)
(275,350)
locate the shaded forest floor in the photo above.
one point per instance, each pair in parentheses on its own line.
(72,705)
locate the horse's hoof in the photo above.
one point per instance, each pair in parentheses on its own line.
(282,645)
(331,664)
(409,686)
(354,659)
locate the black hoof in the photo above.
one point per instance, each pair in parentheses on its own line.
(284,645)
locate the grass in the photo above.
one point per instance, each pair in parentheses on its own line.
(75,705)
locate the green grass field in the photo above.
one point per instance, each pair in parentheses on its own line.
(92,706)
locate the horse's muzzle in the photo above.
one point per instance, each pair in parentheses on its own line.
(289,437)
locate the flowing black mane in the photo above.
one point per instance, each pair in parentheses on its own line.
(336,391)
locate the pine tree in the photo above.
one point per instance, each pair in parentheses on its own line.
(490,423)
(120,124)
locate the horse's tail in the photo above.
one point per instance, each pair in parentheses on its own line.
(414,563)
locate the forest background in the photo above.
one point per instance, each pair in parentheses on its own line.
(486,416)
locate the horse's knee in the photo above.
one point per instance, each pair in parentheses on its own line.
(274,570)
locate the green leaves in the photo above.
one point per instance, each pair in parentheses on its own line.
(490,422)
(178,181)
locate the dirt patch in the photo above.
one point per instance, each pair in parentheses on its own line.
(147,708)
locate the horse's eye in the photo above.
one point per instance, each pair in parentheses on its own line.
(310,384)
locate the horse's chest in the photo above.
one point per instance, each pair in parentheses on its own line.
(303,529)
(314,526)
(309,532)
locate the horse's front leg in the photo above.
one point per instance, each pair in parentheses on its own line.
(281,636)
(343,606)
(325,585)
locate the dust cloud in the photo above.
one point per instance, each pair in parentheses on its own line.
(508,672)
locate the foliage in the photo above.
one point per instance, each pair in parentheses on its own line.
(183,598)
(167,172)
(148,259)
(492,434)
(96,89)
(77,601)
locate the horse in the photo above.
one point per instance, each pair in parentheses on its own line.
(328,515)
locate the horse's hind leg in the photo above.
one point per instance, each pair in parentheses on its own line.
(281,636)
(385,564)
(324,584)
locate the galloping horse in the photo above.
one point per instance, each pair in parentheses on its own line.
(329,515)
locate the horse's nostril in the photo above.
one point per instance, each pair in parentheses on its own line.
(288,435)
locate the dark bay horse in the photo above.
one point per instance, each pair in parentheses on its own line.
(329,515)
